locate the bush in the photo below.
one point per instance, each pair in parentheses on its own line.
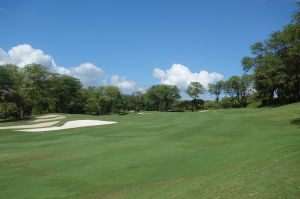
(255,104)
(211,105)
(8,110)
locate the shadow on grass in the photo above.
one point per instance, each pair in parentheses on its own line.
(15,120)
(295,121)
(122,113)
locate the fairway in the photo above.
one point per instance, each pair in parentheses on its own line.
(234,153)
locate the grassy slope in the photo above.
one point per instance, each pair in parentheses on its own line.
(241,153)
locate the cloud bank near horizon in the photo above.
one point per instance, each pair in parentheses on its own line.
(93,75)
(181,76)
(89,73)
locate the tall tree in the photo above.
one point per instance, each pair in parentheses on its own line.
(216,89)
(11,90)
(37,80)
(239,88)
(65,90)
(137,101)
(162,97)
(275,64)
(194,89)
(112,97)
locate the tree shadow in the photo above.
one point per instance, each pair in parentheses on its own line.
(15,120)
(295,121)
(122,113)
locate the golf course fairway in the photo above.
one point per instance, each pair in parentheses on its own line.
(234,153)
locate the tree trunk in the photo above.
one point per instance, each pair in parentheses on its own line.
(271,96)
(21,112)
(193,104)
(5,112)
(298,88)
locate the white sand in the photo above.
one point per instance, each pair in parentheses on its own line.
(47,116)
(143,113)
(204,111)
(30,126)
(59,117)
(70,125)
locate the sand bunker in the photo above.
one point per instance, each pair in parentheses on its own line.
(204,111)
(143,113)
(30,126)
(47,116)
(58,117)
(70,125)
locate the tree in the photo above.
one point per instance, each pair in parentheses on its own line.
(37,83)
(8,81)
(112,97)
(137,101)
(93,101)
(162,97)
(123,103)
(170,94)
(216,89)
(64,90)
(12,91)
(153,97)
(275,64)
(239,88)
(194,89)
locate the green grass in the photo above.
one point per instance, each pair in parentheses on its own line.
(236,153)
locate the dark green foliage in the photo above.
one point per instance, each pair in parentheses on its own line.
(216,89)
(161,97)
(194,89)
(37,85)
(275,65)
(65,90)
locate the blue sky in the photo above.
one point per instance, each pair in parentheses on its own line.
(131,38)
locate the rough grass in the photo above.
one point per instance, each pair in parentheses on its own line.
(236,153)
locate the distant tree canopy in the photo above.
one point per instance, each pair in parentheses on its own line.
(36,89)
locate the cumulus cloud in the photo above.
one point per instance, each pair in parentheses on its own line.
(24,54)
(4,57)
(124,84)
(181,76)
(89,73)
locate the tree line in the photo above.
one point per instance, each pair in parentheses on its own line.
(271,76)
(34,89)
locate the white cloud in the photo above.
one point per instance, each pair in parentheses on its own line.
(24,54)
(62,70)
(4,57)
(181,76)
(122,83)
(88,73)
